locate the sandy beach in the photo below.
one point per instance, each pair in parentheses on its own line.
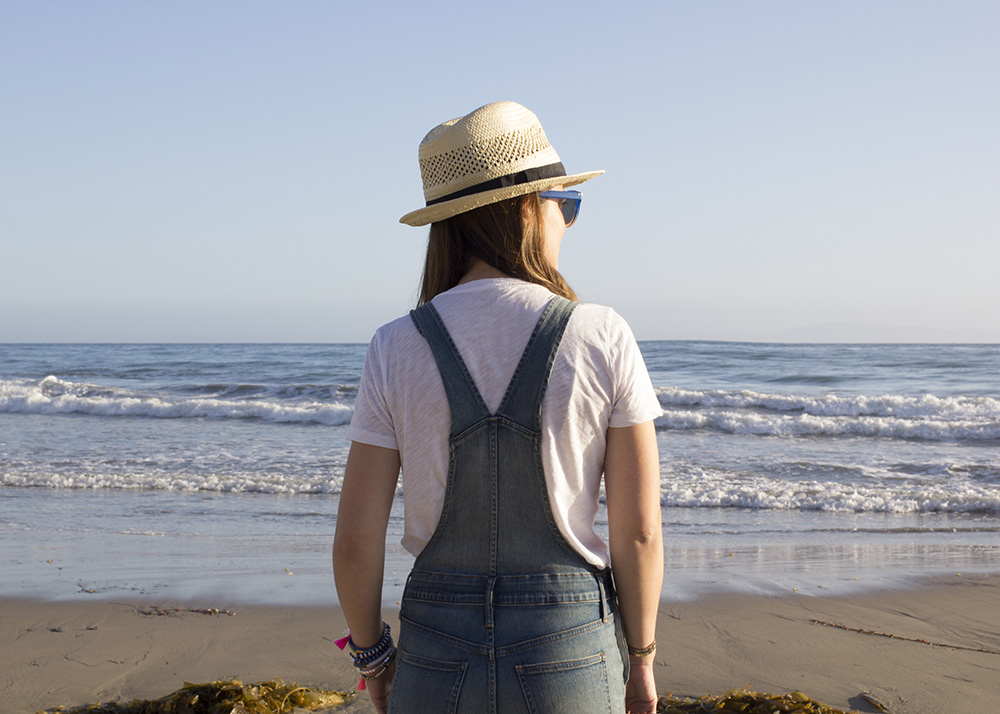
(943,656)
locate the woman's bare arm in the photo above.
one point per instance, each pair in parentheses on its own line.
(632,485)
(359,547)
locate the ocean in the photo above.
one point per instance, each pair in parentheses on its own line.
(212,471)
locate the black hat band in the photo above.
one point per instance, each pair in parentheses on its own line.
(515,179)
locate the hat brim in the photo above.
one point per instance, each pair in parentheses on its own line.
(447,209)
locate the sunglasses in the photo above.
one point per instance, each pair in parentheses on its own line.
(569,203)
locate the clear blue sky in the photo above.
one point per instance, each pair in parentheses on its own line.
(234,171)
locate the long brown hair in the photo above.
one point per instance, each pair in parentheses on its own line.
(506,235)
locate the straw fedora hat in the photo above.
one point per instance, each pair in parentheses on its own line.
(497,152)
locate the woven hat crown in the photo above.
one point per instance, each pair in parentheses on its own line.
(495,140)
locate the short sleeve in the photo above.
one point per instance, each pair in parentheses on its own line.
(635,399)
(371,422)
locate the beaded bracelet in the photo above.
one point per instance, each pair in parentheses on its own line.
(365,658)
(643,651)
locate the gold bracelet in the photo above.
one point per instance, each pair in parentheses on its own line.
(643,652)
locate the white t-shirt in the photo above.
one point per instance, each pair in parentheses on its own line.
(599,380)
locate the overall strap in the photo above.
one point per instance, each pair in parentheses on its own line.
(467,406)
(523,401)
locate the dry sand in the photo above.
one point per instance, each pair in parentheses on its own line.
(943,658)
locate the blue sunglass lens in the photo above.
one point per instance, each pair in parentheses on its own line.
(570,209)
(569,203)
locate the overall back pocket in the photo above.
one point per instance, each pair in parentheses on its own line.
(425,686)
(578,686)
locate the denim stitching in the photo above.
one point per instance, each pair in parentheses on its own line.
(437,334)
(494,467)
(562,665)
(473,390)
(470,430)
(432,595)
(550,638)
(431,663)
(442,637)
(546,311)
(547,509)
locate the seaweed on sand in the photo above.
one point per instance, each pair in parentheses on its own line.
(226,697)
(276,697)
(744,702)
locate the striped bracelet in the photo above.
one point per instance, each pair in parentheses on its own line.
(378,668)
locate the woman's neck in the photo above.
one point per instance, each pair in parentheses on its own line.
(481,271)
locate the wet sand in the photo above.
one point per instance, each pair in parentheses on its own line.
(943,656)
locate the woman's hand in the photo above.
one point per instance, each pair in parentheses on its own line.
(640,690)
(379,688)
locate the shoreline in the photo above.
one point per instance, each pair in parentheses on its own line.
(272,549)
(943,656)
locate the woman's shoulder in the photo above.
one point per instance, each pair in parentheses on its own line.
(400,326)
(399,334)
(600,322)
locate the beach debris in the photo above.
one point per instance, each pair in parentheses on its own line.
(744,701)
(873,700)
(174,611)
(225,697)
(905,639)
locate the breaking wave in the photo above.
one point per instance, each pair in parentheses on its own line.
(724,489)
(330,406)
(927,417)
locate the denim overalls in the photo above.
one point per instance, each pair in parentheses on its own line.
(500,614)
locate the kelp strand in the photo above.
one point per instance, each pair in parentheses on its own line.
(891,636)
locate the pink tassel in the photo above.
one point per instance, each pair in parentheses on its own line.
(361,685)
(342,642)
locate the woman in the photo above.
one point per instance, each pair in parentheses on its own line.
(503,400)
